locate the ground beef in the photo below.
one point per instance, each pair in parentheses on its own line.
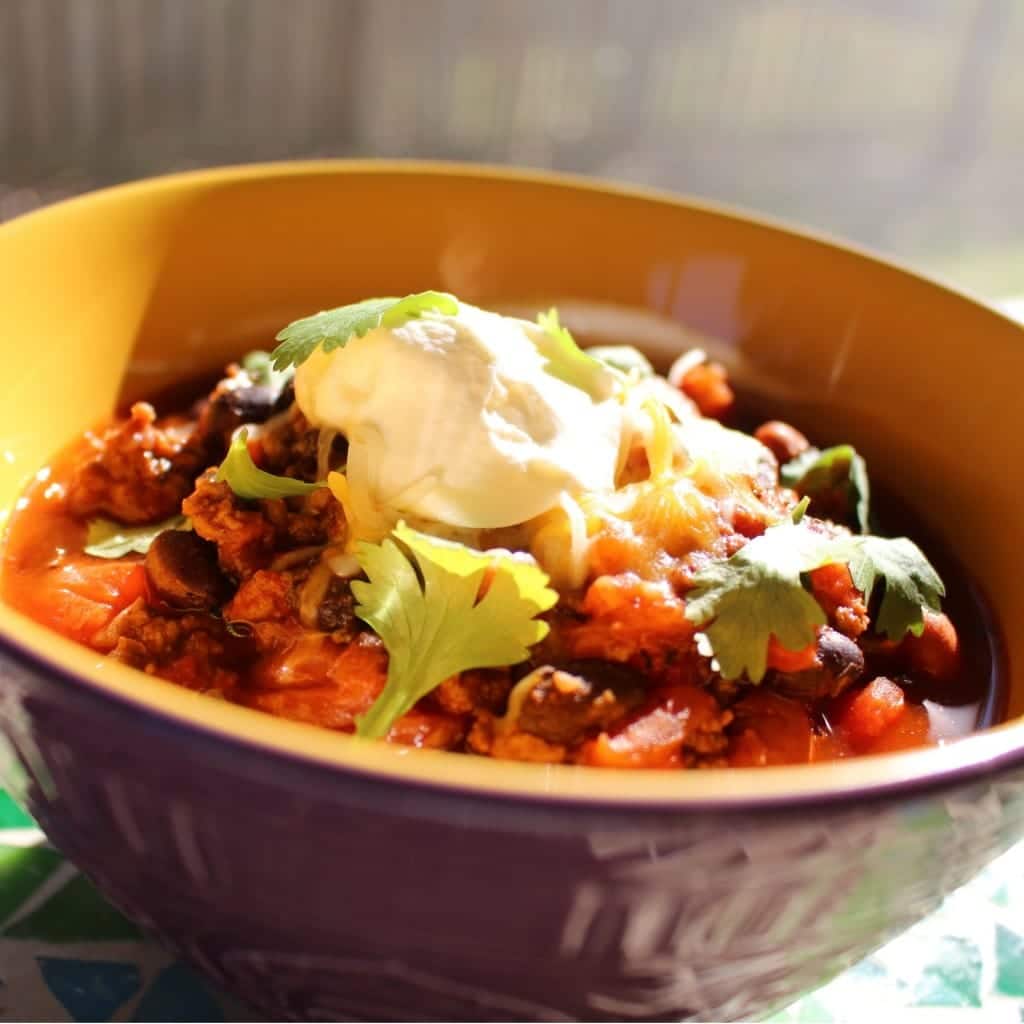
(249,535)
(244,536)
(137,472)
(336,614)
(315,519)
(263,597)
(482,689)
(191,650)
(290,447)
(489,738)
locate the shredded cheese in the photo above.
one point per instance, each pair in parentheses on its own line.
(324,444)
(660,444)
(684,364)
(576,562)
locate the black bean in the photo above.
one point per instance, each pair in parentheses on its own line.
(182,571)
(563,704)
(840,662)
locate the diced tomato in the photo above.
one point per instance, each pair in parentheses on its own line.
(870,712)
(770,730)
(328,706)
(911,729)
(936,652)
(255,446)
(196,673)
(747,523)
(317,682)
(748,750)
(874,720)
(654,737)
(78,598)
(436,730)
(116,583)
(653,741)
(613,553)
(785,660)
(313,680)
(629,617)
(312,659)
(841,601)
(828,747)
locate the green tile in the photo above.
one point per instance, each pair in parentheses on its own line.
(953,978)
(11,815)
(1009,962)
(22,871)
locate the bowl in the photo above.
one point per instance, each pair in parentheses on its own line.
(318,876)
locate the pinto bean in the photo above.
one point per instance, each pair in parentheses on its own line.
(707,386)
(182,571)
(782,440)
(936,652)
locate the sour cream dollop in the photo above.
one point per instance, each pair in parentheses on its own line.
(457,419)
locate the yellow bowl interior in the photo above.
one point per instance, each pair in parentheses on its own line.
(124,291)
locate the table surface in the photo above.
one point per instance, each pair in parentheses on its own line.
(65,954)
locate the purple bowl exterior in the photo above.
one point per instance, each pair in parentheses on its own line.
(316,893)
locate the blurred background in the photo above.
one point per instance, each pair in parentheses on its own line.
(897,124)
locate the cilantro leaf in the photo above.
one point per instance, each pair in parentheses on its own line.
(567,361)
(742,602)
(835,474)
(623,358)
(911,584)
(107,539)
(247,480)
(334,328)
(423,599)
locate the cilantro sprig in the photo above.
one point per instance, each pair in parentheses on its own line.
(107,539)
(259,367)
(742,602)
(836,475)
(248,481)
(911,584)
(334,328)
(442,608)
(567,361)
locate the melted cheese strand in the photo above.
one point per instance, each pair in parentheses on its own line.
(660,446)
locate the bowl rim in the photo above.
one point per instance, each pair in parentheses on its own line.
(41,651)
